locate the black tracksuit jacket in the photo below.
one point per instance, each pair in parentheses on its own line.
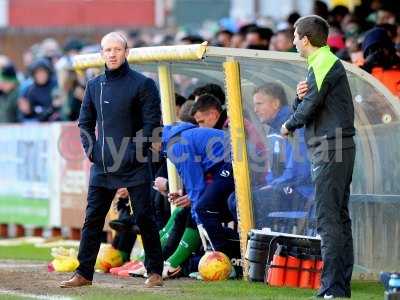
(120,103)
(327,110)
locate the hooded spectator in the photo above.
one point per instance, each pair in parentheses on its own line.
(8,94)
(381,59)
(37,101)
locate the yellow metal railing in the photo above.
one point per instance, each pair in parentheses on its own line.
(239,155)
(169,116)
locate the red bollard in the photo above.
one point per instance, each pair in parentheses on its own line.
(19,230)
(318,266)
(55,232)
(37,232)
(276,271)
(4,231)
(306,275)
(292,269)
(75,234)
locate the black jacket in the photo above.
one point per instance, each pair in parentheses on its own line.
(327,110)
(120,103)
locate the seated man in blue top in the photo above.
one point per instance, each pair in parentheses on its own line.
(198,154)
(288,179)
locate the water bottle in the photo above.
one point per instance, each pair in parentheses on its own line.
(278,164)
(394,288)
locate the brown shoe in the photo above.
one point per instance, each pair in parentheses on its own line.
(75,281)
(154,280)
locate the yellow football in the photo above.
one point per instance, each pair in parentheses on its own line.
(108,258)
(214,266)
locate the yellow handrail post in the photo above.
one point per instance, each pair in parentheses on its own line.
(239,156)
(167,94)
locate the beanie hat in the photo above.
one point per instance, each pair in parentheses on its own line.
(376,36)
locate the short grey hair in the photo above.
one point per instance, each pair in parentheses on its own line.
(115,36)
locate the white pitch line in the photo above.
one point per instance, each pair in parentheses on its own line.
(33,296)
(24,266)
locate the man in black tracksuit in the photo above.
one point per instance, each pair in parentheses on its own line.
(324,107)
(120,103)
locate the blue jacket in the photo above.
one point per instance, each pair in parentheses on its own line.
(119,103)
(290,166)
(194,151)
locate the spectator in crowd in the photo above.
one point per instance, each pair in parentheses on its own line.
(237,40)
(8,94)
(381,59)
(191,39)
(28,58)
(292,18)
(283,41)
(50,50)
(337,15)
(258,38)
(71,84)
(321,9)
(37,102)
(224,38)
(71,48)
(352,51)
(391,31)
(350,26)
(335,39)
(386,14)
(72,97)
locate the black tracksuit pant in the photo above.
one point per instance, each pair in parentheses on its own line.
(99,201)
(333,176)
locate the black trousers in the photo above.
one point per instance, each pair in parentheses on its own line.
(99,201)
(212,209)
(332,172)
